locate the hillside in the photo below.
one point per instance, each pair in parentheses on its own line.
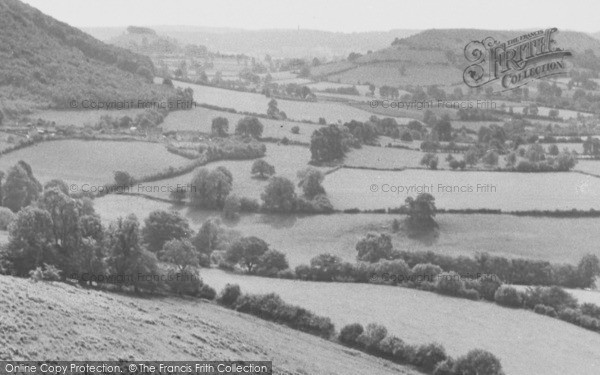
(431,57)
(145,41)
(61,322)
(44,62)
(288,43)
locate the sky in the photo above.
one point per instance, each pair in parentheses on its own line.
(329,15)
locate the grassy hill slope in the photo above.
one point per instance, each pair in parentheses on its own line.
(63,322)
(44,62)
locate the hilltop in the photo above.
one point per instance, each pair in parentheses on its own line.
(60,322)
(47,63)
(145,41)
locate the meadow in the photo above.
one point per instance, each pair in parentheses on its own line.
(392,158)
(200,119)
(323,85)
(81,118)
(258,103)
(304,237)
(368,189)
(287,160)
(525,342)
(92,162)
(588,166)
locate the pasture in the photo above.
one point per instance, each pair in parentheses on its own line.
(525,342)
(258,103)
(368,189)
(92,162)
(391,158)
(287,160)
(588,166)
(82,118)
(200,119)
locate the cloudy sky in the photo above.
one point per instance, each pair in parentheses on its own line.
(331,15)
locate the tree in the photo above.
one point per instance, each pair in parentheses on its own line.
(207,238)
(58,184)
(374,247)
(490,158)
(430,161)
(295,129)
(123,179)
(249,126)
(273,110)
(263,169)
(21,188)
(178,195)
(587,270)
(211,188)
(325,267)
(472,156)
(421,213)
(326,144)
(162,226)
(271,262)
(310,182)
(553,150)
(443,128)
(220,126)
(180,253)
(30,241)
(232,206)
(279,195)
(247,252)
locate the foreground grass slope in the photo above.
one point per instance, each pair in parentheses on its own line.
(62,322)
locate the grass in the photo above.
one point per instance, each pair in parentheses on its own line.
(351,188)
(588,166)
(56,321)
(525,342)
(92,162)
(287,160)
(257,103)
(200,119)
(392,158)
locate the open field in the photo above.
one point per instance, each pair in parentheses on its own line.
(82,117)
(322,85)
(388,73)
(92,162)
(200,119)
(368,189)
(56,321)
(257,103)
(391,158)
(304,237)
(525,342)
(287,160)
(588,166)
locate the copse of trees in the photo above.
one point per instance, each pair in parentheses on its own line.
(211,187)
(326,144)
(162,226)
(420,214)
(279,195)
(249,126)
(20,187)
(220,126)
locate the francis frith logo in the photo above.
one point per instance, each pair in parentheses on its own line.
(515,62)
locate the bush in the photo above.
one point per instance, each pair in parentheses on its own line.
(350,333)
(6,217)
(371,337)
(508,296)
(545,310)
(591,310)
(426,272)
(445,368)
(231,207)
(229,295)
(449,283)
(295,129)
(271,262)
(286,274)
(471,294)
(478,362)
(428,356)
(207,292)
(487,286)
(46,273)
(184,282)
(249,205)
(553,296)
(390,346)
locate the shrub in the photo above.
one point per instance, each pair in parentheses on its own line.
(286,274)
(231,207)
(508,296)
(389,346)
(487,286)
(249,205)
(591,310)
(428,356)
(271,262)
(372,335)
(6,217)
(405,354)
(46,273)
(229,295)
(471,294)
(553,296)
(570,315)
(184,282)
(295,129)
(426,272)
(350,333)
(393,271)
(545,310)
(207,292)
(478,362)
(449,283)
(445,367)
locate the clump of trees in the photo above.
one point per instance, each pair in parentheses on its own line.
(261,169)
(420,214)
(249,126)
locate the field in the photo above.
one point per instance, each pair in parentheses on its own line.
(287,160)
(388,73)
(391,158)
(304,237)
(82,117)
(257,103)
(61,322)
(525,342)
(368,189)
(200,119)
(92,162)
(588,166)
(319,86)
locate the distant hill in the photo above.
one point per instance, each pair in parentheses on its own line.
(47,63)
(58,321)
(277,43)
(145,41)
(435,57)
